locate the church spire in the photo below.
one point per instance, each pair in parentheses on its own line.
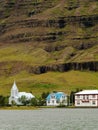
(14,87)
(14,90)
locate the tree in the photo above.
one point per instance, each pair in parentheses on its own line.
(42,100)
(72,95)
(44,95)
(13,103)
(23,100)
(33,102)
(3,100)
(6,101)
(68,100)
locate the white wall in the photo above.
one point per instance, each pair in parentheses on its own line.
(53,102)
(87,100)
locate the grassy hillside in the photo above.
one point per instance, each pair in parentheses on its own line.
(47,33)
(51,81)
(57,30)
(31,56)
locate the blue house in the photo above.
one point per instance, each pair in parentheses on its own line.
(56,99)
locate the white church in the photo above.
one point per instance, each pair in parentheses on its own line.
(15,95)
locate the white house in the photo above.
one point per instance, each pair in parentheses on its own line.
(86,98)
(15,95)
(55,99)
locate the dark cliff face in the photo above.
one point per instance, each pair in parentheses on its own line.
(87,66)
(66,30)
(16,67)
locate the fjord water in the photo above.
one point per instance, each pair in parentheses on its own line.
(49,119)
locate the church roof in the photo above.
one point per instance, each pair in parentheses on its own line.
(27,95)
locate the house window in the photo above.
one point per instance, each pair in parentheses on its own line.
(93,102)
(78,96)
(63,101)
(87,97)
(84,97)
(48,101)
(58,101)
(93,96)
(53,101)
(63,96)
(78,102)
(52,96)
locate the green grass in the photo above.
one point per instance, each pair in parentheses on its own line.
(38,56)
(51,81)
(23,53)
(34,53)
(19,108)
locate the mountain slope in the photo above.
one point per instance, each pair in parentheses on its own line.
(54,26)
(37,36)
(48,82)
(51,30)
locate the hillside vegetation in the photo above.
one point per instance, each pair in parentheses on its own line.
(37,36)
(61,30)
(49,82)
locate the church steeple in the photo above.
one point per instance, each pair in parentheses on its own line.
(14,90)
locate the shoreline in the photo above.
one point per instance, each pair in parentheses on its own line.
(41,107)
(19,108)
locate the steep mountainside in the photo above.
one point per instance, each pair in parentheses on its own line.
(37,36)
(64,30)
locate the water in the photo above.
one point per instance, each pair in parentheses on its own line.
(49,119)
